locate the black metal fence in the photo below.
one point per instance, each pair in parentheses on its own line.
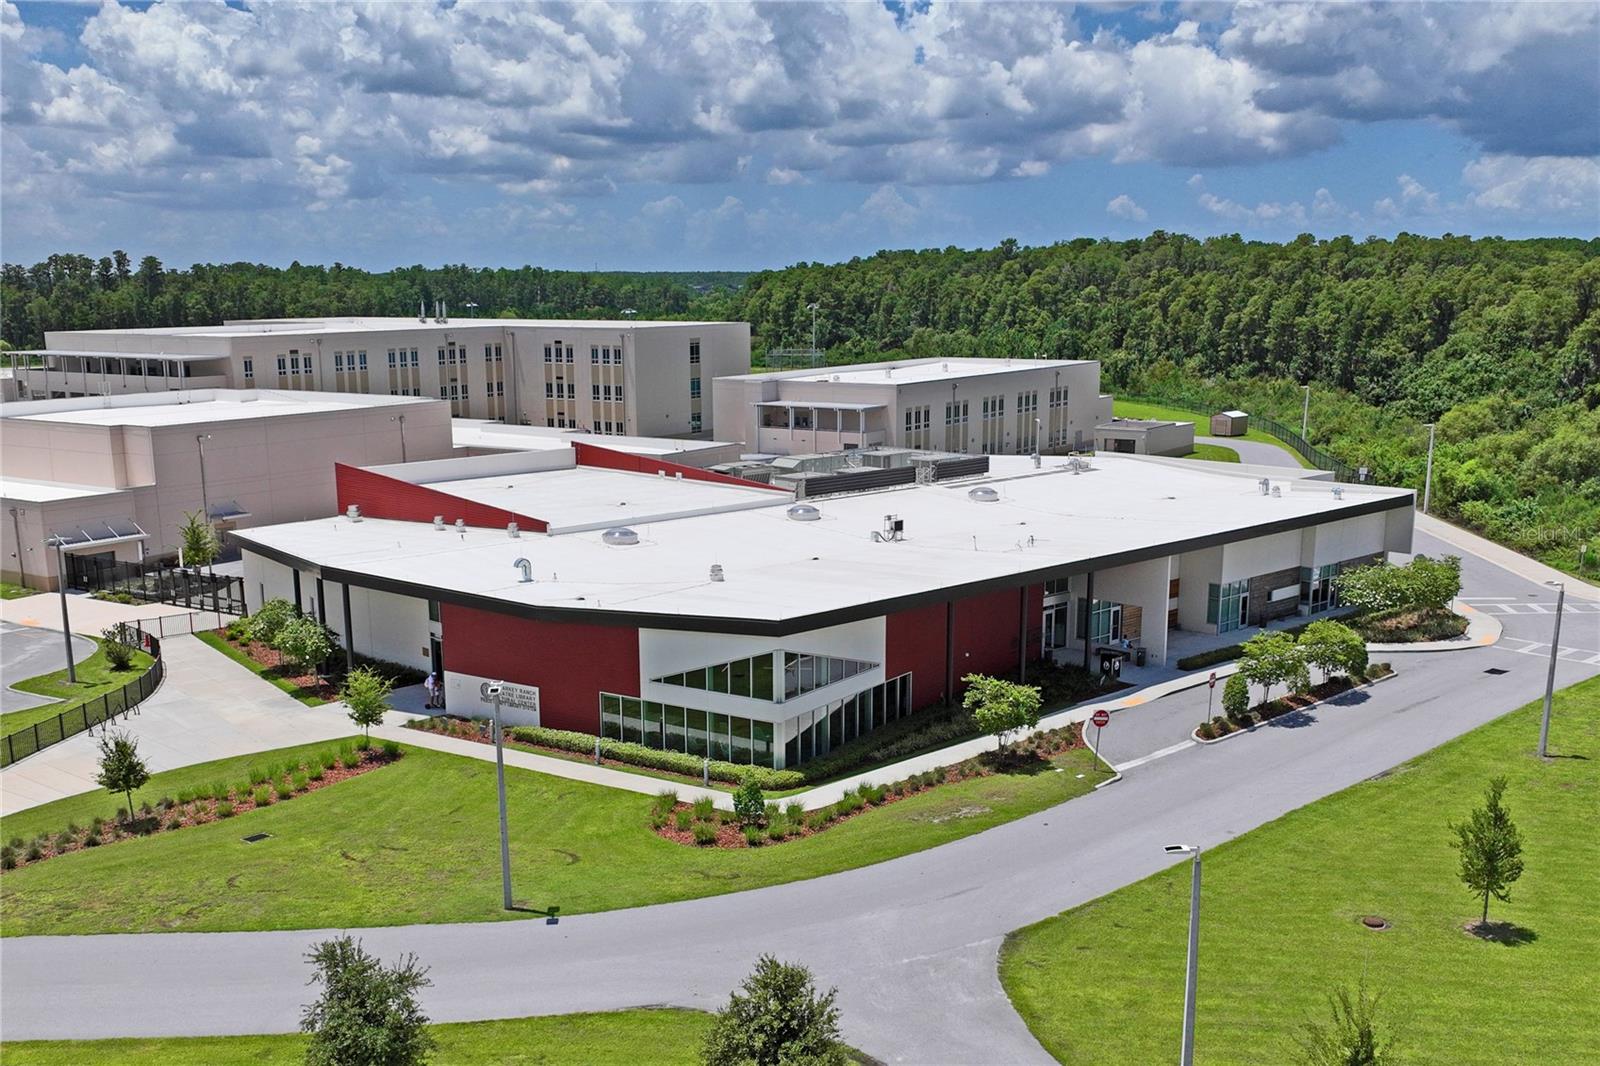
(1342,471)
(90,713)
(158,582)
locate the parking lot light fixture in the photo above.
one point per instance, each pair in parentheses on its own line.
(1187,1055)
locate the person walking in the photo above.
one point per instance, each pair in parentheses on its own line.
(432,685)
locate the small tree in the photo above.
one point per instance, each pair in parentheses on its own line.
(366,693)
(121,769)
(117,644)
(269,620)
(749,804)
(1352,1036)
(1000,706)
(776,1018)
(1236,698)
(367,1013)
(1424,584)
(1491,849)
(198,539)
(1334,649)
(305,642)
(1271,658)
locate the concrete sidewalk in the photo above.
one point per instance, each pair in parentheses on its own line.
(1505,558)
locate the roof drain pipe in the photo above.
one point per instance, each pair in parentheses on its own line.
(526,568)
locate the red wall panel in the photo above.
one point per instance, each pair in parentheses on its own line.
(571,662)
(380,496)
(595,455)
(986,633)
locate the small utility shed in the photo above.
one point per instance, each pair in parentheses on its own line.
(1141,436)
(1230,424)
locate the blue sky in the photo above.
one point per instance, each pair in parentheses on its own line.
(735,136)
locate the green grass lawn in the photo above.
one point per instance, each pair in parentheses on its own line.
(1214,453)
(1280,921)
(95,678)
(10,590)
(1202,424)
(664,1037)
(266,673)
(416,842)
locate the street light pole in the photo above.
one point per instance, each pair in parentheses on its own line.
(1550,679)
(61,585)
(402,420)
(1187,1055)
(500,782)
(813,309)
(1305,414)
(1427,483)
(205,500)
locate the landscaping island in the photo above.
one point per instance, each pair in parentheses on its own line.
(96,678)
(1283,927)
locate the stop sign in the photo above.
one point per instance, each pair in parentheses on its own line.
(1100,718)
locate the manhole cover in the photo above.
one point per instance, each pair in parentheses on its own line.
(1373,921)
(253,837)
(1495,670)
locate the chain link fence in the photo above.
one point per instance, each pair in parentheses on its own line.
(1342,471)
(101,709)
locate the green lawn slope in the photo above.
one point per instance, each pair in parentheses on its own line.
(1281,928)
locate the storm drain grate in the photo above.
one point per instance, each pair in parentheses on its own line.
(1495,670)
(253,837)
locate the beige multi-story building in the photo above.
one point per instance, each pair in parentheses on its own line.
(975,406)
(113,478)
(612,377)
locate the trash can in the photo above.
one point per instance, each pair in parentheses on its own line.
(1138,656)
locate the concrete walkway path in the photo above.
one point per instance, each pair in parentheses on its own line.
(208,707)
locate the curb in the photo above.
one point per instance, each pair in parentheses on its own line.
(1116,775)
(1198,739)
(1483,630)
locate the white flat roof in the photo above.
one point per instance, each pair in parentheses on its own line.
(587,497)
(909,371)
(179,408)
(21,488)
(477,433)
(778,569)
(257,327)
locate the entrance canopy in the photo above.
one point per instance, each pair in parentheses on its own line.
(95,534)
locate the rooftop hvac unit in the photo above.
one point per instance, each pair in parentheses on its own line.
(353,512)
(512,530)
(894,529)
(461,525)
(438,521)
(716,572)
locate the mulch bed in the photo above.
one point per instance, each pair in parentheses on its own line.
(1221,725)
(1409,627)
(166,819)
(730,833)
(276,667)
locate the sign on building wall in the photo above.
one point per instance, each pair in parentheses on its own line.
(512,697)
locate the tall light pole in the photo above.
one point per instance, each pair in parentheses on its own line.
(471,307)
(1550,680)
(1187,1058)
(1427,482)
(205,500)
(500,780)
(61,586)
(813,309)
(1305,414)
(401,419)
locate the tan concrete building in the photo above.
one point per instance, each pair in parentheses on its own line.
(974,406)
(115,476)
(613,377)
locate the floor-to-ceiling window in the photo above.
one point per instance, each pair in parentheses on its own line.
(1225,605)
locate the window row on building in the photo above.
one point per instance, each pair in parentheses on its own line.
(399,357)
(553,353)
(356,360)
(812,734)
(602,355)
(607,393)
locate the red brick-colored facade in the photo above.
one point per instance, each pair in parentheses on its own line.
(606,458)
(380,496)
(570,662)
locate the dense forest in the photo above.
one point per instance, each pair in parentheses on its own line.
(1497,341)
(78,292)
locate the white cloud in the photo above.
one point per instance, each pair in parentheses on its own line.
(1123,206)
(785,176)
(887,204)
(1543,185)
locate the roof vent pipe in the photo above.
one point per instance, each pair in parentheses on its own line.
(438,521)
(526,568)
(353,512)
(512,531)
(1338,492)
(716,572)
(1264,486)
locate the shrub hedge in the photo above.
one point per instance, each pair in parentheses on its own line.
(650,758)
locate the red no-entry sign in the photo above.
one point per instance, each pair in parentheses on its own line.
(1212,681)
(1100,718)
